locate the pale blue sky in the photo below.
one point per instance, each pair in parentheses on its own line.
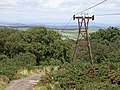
(55,11)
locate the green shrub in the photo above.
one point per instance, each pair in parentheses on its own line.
(24,59)
(81,76)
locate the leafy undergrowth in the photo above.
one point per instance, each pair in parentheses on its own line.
(3,81)
(80,76)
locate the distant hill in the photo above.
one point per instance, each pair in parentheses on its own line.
(53,26)
(11,24)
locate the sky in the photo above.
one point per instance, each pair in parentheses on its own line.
(56,11)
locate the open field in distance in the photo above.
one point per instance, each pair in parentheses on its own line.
(72,34)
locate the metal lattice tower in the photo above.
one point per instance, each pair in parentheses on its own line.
(83,38)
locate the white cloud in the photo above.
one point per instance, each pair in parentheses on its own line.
(53,10)
(7,2)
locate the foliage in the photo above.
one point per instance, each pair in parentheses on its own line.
(107,36)
(35,46)
(105,45)
(39,46)
(4,32)
(82,76)
(103,75)
(24,59)
(42,44)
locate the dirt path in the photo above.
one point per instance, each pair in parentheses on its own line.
(25,84)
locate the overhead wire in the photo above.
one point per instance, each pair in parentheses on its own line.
(84,11)
(91,7)
(110,14)
(67,23)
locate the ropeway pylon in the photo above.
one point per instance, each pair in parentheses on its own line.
(83,38)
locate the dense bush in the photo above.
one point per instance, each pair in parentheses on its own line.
(35,46)
(107,36)
(24,59)
(80,76)
(106,45)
